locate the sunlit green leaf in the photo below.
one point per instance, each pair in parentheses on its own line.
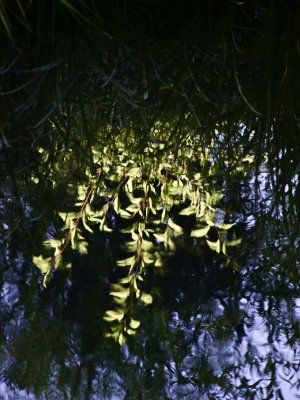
(44,264)
(103,210)
(161,237)
(130,331)
(146,298)
(126,261)
(135,236)
(121,339)
(105,228)
(136,200)
(134,324)
(147,234)
(215,246)
(224,248)
(169,244)
(52,243)
(174,226)
(82,247)
(109,335)
(74,240)
(129,185)
(68,216)
(117,287)
(152,188)
(215,197)
(125,280)
(234,242)
(225,226)
(174,191)
(200,232)
(147,245)
(131,246)
(133,172)
(158,262)
(119,301)
(164,213)
(113,315)
(81,192)
(46,279)
(209,220)
(249,159)
(120,294)
(89,229)
(57,258)
(128,229)
(93,217)
(188,211)
(148,258)
(125,214)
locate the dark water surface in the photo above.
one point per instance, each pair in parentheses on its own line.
(214,91)
(210,333)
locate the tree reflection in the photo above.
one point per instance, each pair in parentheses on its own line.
(216,341)
(210,97)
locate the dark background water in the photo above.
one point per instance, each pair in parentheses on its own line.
(76,79)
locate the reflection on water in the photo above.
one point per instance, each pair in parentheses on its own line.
(213,334)
(214,91)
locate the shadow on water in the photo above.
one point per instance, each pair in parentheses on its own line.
(178,138)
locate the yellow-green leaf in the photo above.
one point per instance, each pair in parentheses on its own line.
(174,226)
(82,247)
(116,204)
(121,339)
(215,198)
(121,294)
(134,324)
(158,262)
(200,232)
(127,279)
(224,248)
(112,315)
(133,208)
(225,226)
(208,220)
(89,229)
(249,159)
(161,237)
(125,214)
(133,172)
(46,278)
(129,185)
(147,245)
(234,242)
(126,261)
(130,331)
(52,243)
(213,245)
(44,264)
(148,258)
(146,298)
(188,211)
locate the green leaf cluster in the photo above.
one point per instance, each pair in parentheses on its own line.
(155,199)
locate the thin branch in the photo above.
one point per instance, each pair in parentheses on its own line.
(242,94)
